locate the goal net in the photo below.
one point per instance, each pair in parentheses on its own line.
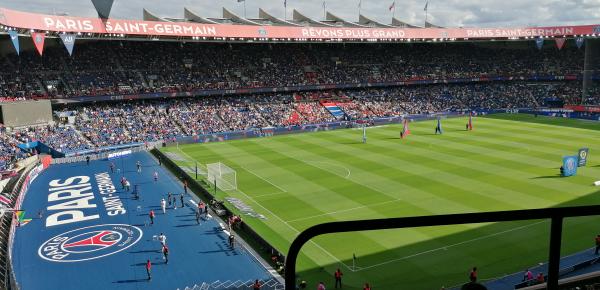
(222,175)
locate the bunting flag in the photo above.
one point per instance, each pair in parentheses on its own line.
(14,36)
(539,42)
(285,3)
(68,40)
(20,214)
(24,222)
(393,6)
(579,41)
(426,4)
(560,43)
(4,200)
(359,4)
(38,40)
(103,7)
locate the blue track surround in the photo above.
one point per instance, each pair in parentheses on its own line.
(64,255)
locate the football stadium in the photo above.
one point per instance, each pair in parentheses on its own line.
(283,152)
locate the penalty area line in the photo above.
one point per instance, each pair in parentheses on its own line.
(271,183)
(345,210)
(293,229)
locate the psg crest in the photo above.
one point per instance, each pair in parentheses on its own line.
(90,243)
(571,164)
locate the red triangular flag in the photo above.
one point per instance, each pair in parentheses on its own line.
(560,42)
(38,41)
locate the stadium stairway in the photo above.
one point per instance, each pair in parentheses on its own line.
(87,141)
(272,284)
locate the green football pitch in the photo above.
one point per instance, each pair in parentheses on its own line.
(507,162)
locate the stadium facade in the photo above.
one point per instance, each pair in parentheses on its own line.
(167,34)
(232,27)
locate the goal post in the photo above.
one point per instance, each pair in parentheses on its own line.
(222,175)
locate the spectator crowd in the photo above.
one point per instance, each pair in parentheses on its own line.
(115,123)
(131,67)
(116,68)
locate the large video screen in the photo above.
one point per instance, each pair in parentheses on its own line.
(18,114)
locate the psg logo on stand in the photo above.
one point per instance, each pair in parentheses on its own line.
(571,164)
(90,243)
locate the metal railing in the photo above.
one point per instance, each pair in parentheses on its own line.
(556,215)
(98,156)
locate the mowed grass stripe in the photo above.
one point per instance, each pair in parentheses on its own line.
(400,241)
(516,141)
(506,186)
(396,243)
(555,129)
(312,250)
(437,266)
(508,165)
(373,174)
(566,144)
(319,188)
(521,163)
(461,179)
(305,206)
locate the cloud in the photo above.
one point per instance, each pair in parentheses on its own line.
(451,13)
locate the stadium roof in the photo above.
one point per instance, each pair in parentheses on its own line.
(364,20)
(341,22)
(190,16)
(307,21)
(399,23)
(299,19)
(262,14)
(149,16)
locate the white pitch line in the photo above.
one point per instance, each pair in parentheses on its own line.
(345,210)
(330,163)
(188,156)
(449,246)
(294,229)
(269,194)
(271,183)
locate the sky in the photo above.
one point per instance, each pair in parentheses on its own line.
(448,13)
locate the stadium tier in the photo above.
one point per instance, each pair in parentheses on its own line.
(228,137)
(138,68)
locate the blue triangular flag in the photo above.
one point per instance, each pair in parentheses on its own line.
(103,7)
(69,40)
(579,41)
(14,36)
(539,42)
